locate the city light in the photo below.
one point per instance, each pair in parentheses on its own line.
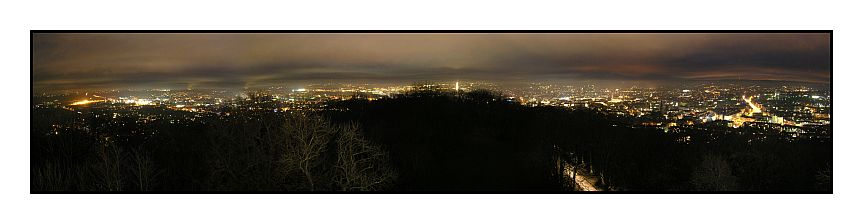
(85,102)
(667,109)
(755,108)
(142,102)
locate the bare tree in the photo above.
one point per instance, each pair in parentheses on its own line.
(714,174)
(824,178)
(143,168)
(361,166)
(306,140)
(109,165)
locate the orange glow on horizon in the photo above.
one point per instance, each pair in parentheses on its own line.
(84,102)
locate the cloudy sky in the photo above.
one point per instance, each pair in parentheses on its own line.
(62,61)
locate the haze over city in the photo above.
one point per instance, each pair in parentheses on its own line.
(237,60)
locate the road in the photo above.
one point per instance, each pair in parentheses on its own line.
(586,183)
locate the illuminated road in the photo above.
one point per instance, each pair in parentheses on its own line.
(577,176)
(582,182)
(755,108)
(585,184)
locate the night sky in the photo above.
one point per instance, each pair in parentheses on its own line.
(70,61)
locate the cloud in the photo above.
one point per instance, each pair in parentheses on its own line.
(117,60)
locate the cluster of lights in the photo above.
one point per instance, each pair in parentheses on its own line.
(136,102)
(84,102)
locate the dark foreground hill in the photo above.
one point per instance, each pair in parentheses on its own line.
(421,141)
(480,141)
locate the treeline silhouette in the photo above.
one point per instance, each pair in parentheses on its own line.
(248,151)
(479,140)
(424,140)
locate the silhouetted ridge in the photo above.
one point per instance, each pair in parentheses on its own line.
(423,140)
